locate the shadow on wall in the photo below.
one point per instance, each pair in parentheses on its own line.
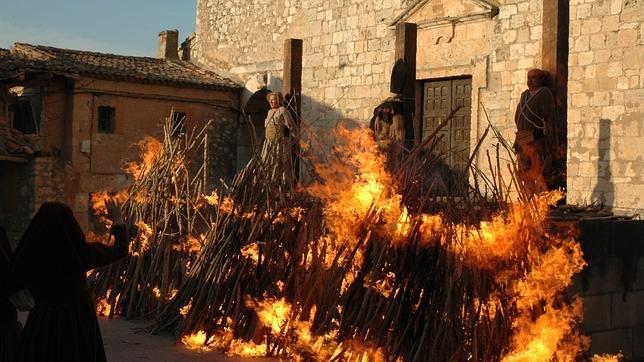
(604,190)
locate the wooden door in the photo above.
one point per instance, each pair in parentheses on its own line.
(439,98)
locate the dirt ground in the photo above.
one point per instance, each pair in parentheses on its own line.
(126,341)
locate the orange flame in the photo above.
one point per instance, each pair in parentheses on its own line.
(197,341)
(251,252)
(103,307)
(145,232)
(186,308)
(607,357)
(151,149)
(98,204)
(271,313)
(240,348)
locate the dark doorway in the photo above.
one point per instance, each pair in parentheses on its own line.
(250,134)
(440,96)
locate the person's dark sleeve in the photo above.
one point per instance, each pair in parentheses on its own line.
(95,255)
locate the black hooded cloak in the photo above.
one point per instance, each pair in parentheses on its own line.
(51,260)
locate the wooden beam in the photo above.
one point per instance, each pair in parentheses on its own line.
(292,88)
(406,35)
(292,73)
(554,60)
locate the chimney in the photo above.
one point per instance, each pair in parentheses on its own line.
(168,44)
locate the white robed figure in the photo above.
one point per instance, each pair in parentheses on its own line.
(281,134)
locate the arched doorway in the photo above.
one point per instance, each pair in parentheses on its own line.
(250,134)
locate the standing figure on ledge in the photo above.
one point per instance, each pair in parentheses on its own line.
(281,134)
(535,141)
(51,261)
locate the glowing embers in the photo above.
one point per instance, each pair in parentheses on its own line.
(197,341)
(103,306)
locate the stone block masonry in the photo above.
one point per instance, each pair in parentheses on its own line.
(349,50)
(606,104)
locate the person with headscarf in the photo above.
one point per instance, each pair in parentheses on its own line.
(51,261)
(10,328)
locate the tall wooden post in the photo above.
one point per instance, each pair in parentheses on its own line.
(292,88)
(406,50)
(292,74)
(554,60)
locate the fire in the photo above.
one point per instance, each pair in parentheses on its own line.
(271,313)
(173,293)
(98,204)
(403,224)
(194,245)
(186,308)
(143,238)
(607,357)
(197,341)
(251,252)
(365,220)
(103,307)
(240,348)
(151,149)
(225,205)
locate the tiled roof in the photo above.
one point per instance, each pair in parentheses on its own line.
(8,64)
(27,57)
(15,145)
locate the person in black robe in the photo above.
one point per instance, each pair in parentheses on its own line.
(51,261)
(10,328)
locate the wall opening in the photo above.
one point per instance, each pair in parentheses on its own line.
(25,105)
(106,119)
(250,134)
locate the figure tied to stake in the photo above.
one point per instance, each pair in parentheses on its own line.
(536,137)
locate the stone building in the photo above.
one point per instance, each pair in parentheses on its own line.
(70,118)
(470,52)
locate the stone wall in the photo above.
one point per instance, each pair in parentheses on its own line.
(349,51)
(606,104)
(612,287)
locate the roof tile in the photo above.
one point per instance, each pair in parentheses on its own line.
(27,57)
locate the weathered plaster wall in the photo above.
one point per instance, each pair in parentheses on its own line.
(140,111)
(606,104)
(61,171)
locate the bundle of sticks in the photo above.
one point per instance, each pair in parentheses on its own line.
(162,208)
(350,266)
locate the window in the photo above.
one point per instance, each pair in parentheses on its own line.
(106,119)
(178,123)
(25,105)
